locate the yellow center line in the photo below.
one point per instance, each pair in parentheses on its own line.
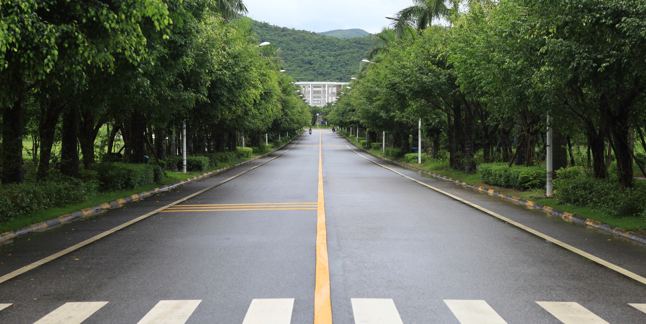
(224,210)
(322,301)
(530,230)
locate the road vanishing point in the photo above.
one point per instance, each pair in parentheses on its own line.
(320,232)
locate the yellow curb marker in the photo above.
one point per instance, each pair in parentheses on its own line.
(548,238)
(322,297)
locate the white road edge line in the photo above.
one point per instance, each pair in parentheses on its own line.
(548,238)
(73,248)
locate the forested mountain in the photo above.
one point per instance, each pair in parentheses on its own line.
(345,33)
(312,57)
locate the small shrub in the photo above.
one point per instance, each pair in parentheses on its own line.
(244,152)
(363,143)
(394,152)
(517,177)
(570,173)
(413,157)
(376,146)
(119,176)
(599,193)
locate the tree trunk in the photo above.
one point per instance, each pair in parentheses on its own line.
(69,145)
(559,151)
(596,144)
(569,145)
(521,146)
(13,124)
(469,146)
(160,143)
(50,113)
(622,149)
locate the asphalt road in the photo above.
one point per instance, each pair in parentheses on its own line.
(270,247)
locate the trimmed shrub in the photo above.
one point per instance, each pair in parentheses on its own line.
(517,177)
(570,173)
(363,143)
(599,193)
(23,199)
(244,152)
(119,176)
(412,157)
(194,163)
(394,152)
(376,146)
(221,157)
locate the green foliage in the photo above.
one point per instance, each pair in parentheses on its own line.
(394,152)
(221,157)
(345,33)
(363,143)
(22,199)
(244,152)
(194,163)
(599,193)
(119,176)
(312,57)
(376,146)
(413,157)
(570,173)
(517,177)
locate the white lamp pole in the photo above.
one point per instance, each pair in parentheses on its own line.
(383,150)
(184,149)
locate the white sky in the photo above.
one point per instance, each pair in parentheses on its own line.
(325,15)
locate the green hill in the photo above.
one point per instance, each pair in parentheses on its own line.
(346,33)
(312,57)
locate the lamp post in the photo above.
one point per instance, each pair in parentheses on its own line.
(550,158)
(184,149)
(419,142)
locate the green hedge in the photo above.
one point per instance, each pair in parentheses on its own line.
(23,199)
(394,152)
(244,152)
(119,176)
(221,157)
(412,157)
(517,177)
(194,163)
(376,146)
(584,190)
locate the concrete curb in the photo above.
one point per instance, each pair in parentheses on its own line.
(568,217)
(7,237)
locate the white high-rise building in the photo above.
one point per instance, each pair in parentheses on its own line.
(320,93)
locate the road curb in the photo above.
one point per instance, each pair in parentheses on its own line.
(568,217)
(8,237)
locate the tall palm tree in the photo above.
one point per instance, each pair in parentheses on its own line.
(421,14)
(230,8)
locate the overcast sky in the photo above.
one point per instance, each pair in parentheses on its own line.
(325,15)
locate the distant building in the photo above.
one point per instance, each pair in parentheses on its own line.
(320,93)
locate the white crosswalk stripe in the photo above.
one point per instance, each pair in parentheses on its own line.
(72,313)
(3,306)
(365,311)
(170,312)
(571,313)
(270,311)
(474,312)
(641,307)
(375,311)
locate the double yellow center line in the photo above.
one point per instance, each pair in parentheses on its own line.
(241,207)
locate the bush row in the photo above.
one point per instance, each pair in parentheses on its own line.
(119,176)
(27,198)
(517,177)
(576,187)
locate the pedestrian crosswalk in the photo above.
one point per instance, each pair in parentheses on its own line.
(365,311)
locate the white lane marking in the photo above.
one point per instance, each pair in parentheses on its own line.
(571,313)
(72,313)
(474,312)
(375,311)
(641,307)
(270,311)
(170,312)
(566,246)
(3,306)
